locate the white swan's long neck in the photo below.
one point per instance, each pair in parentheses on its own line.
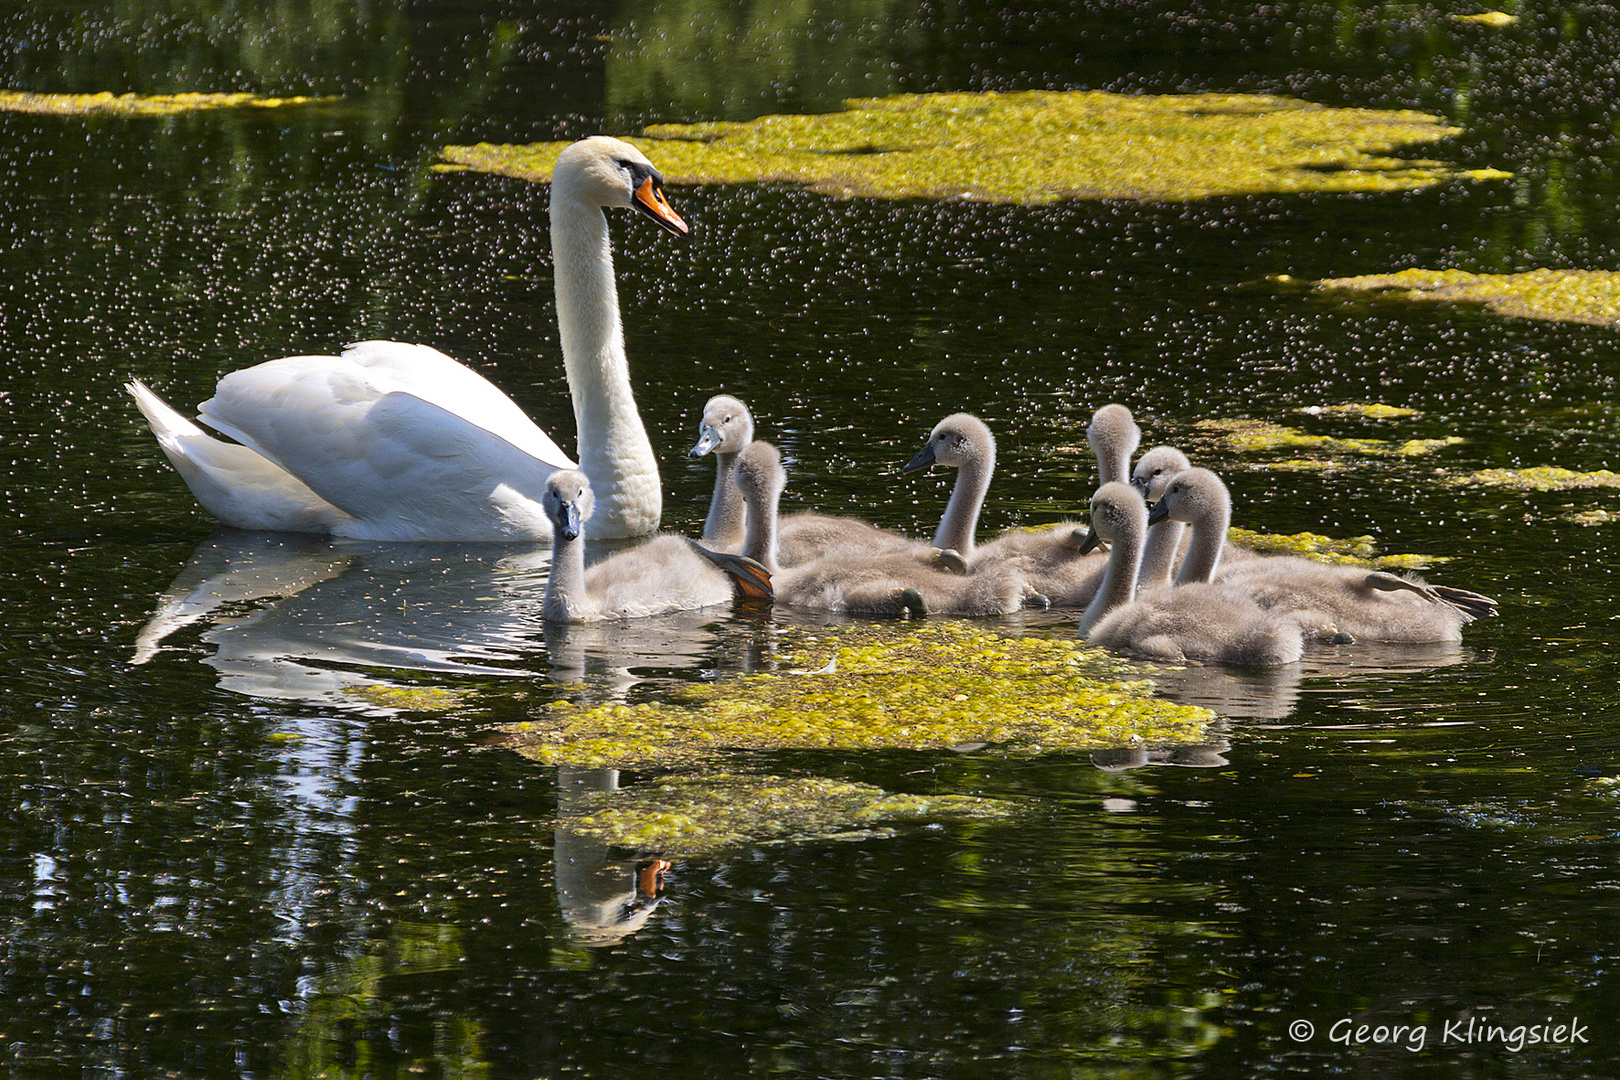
(614,451)
(761,541)
(566,599)
(961,518)
(724,527)
(1119,579)
(1159,554)
(1204,549)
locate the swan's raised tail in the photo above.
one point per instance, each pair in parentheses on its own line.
(235,484)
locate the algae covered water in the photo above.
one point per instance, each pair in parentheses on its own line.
(265,815)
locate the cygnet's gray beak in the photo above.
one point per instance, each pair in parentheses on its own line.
(923,460)
(1158,512)
(1091,541)
(570,521)
(708,439)
(1141,484)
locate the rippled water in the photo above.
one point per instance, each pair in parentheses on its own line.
(229,851)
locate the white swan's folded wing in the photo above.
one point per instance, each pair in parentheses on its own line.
(456,388)
(405,440)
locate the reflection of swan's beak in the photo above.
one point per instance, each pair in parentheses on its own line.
(649,199)
(650,878)
(923,460)
(708,438)
(1090,542)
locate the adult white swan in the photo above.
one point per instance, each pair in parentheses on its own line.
(399,442)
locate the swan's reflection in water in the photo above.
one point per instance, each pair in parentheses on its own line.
(335,623)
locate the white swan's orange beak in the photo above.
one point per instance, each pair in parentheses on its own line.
(649,199)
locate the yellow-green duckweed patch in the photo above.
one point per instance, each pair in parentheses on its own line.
(881,686)
(410,698)
(108,104)
(1305,465)
(1262,436)
(1496,20)
(1036,147)
(1419,447)
(1246,436)
(699,816)
(1539,478)
(1582,296)
(1356,551)
(1371,410)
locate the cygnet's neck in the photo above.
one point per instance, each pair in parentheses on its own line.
(565,600)
(1159,554)
(1119,578)
(614,451)
(723,530)
(1208,540)
(961,518)
(760,541)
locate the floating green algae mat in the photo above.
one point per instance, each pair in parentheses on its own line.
(1367,410)
(1263,436)
(1582,296)
(138,104)
(1037,146)
(1356,551)
(1321,465)
(1494,19)
(698,816)
(875,686)
(1539,478)
(1419,447)
(411,698)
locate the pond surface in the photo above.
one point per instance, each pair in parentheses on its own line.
(239,841)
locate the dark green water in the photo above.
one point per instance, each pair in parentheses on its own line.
(223,862)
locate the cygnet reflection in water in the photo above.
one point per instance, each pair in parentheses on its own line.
(603,900)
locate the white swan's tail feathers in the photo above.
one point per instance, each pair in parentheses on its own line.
(235,484)
(166,424)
